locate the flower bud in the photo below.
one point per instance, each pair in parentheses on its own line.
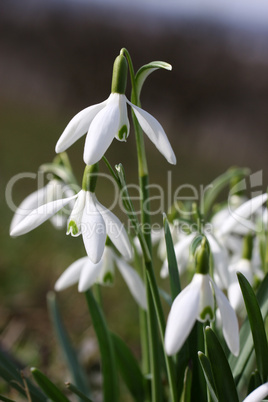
(119,79)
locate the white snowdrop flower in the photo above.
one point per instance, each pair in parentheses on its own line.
(88,217)
(54,190)
(196,302)
(86,273)
(258,394)
(108,120)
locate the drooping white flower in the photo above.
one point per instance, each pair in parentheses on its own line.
(86,274)
(88,217)
(108,120)
(196,302)
(54,190)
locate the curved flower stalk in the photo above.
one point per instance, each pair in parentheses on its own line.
(88,217)
(196,302)
(54,190)
(108,120)
(86,274)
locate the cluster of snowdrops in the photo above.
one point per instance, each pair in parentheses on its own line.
(212,346)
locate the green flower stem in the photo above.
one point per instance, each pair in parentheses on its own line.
(151,285)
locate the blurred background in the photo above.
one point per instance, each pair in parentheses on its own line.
(56,58)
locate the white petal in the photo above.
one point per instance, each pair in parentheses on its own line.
(206,302)
(116,231)
(155,132)
(89,275)
(106,275)
(30,203)
(229,321)
(40,215)
(123,130)
(102,131)
(71,275)
(220,259)
(93,229)
(134,282)
(182,316)
(78,126)
(74,222)
(258,394)
(240,215)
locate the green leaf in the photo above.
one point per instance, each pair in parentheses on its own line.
(48,387)
(257,326)
(12,374)
(129,368)
(175,285)
(76,391)
(243,365)
(219,184)
(187,385)
(78,374)
(146,70)
(165,296)
(4,399)
(224,382)
(254,382)
(109,372)
(206,367)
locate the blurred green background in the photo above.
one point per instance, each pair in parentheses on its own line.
(56,60)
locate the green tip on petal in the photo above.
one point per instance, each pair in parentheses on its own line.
(108,278)
(119,79)
(122,133)
(72,228)
(207,314)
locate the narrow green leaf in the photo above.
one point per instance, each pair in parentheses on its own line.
(48,387)
(78,375)
(76,391)
(110,380)
(224,382)
(129,368)
(254,382)
(257,326)
(4,399)
(187,385)
(146,70)
(218,185)
(239,364)
(165,296)
(175,285)
(205,364)
(12,374)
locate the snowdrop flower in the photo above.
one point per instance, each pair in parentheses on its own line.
(108,120)
(86,274)
(196,302)
(88,217)
(54,190)
(234,291)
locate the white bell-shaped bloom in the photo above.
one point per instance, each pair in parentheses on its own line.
(88,217)
(108,120)
(86,274)
(196,302)
(54,190)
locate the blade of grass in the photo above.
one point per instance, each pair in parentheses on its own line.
(48,387)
